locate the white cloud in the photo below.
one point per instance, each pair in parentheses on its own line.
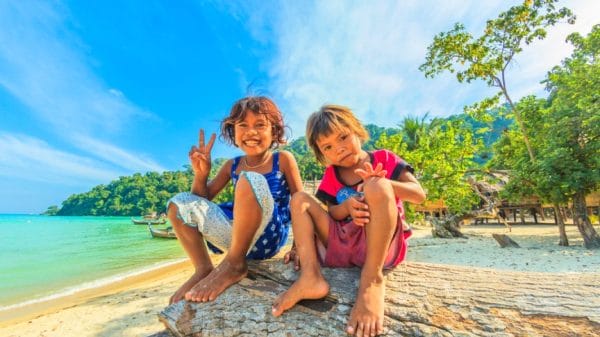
(532,65)
(116,155)
(46,67)
(366,56)
(29,158)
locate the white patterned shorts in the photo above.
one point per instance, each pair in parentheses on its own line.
(210,219)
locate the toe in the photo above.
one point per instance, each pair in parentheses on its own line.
(360,329)
(379,326)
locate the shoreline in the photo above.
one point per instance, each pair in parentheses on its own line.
(129,307)
(23,311)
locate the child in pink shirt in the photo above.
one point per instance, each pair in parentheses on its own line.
(364,222)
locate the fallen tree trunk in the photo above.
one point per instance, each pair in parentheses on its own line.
(421,300)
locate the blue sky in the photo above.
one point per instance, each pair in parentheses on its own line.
(94,90)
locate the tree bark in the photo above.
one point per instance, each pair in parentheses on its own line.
(446,227)
(580,217)
(564,241)
(421,300)
(517,114)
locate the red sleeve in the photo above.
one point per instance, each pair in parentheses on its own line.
(392,163)
(328,189)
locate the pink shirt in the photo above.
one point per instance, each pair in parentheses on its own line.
(346,245)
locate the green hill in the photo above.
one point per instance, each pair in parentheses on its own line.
(144,193)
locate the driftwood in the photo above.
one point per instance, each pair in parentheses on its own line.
(505,241)
(421,300)
(446,227)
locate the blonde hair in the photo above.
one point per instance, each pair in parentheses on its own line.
(329,119)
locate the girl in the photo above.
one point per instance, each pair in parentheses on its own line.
(255,224)
(364,222)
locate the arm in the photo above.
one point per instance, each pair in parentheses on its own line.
(339,212)
(290,170)
(212,188)
(354,207)
(407,188)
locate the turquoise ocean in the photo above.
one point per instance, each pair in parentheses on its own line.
(44,257)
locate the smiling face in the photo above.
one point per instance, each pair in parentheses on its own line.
(341,148)
(253,134)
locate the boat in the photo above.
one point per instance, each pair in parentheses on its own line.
(167,233)
(149,221)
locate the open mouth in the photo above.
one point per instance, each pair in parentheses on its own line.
(251,142)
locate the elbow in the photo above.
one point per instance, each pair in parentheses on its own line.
(420,196)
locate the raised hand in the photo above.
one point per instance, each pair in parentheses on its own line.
(369,171)
(200,155)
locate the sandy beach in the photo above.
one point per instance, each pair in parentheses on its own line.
(129,307)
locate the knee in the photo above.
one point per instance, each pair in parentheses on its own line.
(378,190)
(242,187)
(172,215)
(299,199)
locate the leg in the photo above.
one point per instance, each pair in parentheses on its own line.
(193,243)
(308,219)
(366,318)
(248,222)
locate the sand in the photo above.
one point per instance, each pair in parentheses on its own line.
(130,307)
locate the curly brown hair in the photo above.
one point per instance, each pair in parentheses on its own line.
(258,105)
(329,119)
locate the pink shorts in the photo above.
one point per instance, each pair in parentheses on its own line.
(347,246)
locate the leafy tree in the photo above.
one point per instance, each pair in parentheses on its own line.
(309,168)
(488,56)
(566,132)
(575,128)
(442,155)
(543,178)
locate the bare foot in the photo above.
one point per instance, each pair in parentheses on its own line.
(366,318)
(195,278)
(309,287)
(219,279)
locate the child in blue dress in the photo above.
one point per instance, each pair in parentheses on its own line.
(256,224)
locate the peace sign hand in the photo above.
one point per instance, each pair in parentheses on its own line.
(200,155)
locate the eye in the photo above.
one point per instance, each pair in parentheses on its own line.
(343,137)
(326,148)
(261,126)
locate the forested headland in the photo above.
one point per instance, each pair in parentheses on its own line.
(146,193)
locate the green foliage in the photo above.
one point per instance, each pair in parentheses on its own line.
(310,168)
(565,131)
(52,210)
(137,194)
(141,194)
(488,56)
(133,195)
(442,153)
